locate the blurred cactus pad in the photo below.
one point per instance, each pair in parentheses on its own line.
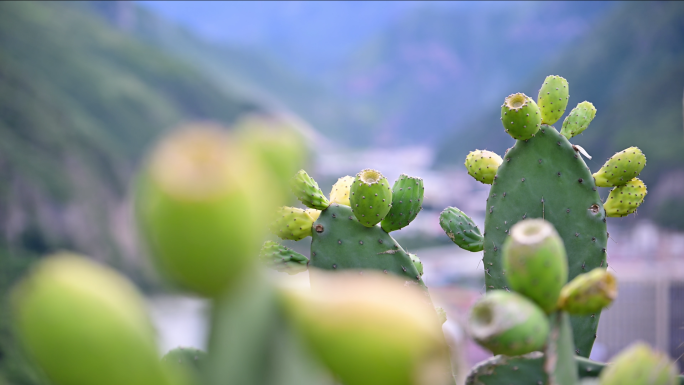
(544,176)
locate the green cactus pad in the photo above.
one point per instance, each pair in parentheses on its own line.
(508,323)
(621,168)
(340,191)
(340,242)
(559,353)
(190,358)
(535,262)
(638,364)
(407,200)
(482,165)
(520,116)
(578,120)
(545,178)
(553,98)
(624,200)
(417,263)
(307,191)
(371,197)
(589,293)
(283,259)
(461,229)
(292,223)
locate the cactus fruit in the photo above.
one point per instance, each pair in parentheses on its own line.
(461,229)
(292,223)
(307,191)
(520,116)
(624,200)
(340,191)
(535,262)
(482,165)
(578,120)
(371,197)
(417,263)
(200,195)
(508,323)
(185,357)
(407,199)
(372,330)
(282,258)
(553,98)
(313,213)
(588,293)
(85,324)
(621,168)
(638,364)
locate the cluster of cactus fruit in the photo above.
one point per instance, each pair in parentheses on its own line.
(202,200)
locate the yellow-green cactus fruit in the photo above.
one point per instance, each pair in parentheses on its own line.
(340,191)
(292,223)
(638,364)
(372,329)
(482,165)
(313,213)
(85,324)
(201,205)
(624,200)
(520,116)
(553,99)
(588,293)
(621,168)
(578,120)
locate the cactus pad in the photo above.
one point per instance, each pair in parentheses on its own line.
(185,357)
(407,199)
(621,168)
(340,191)
(640,365)
(535,262)
(589,293)
(282,258)
(553,98)
(371,197)
(482,165)
(461,229)
(292,223)
(578,120)
(340,242)
(508,323)
(624,200)
(520,116)
(545,178)
(307,191)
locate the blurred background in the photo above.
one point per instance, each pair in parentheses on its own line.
(402,87)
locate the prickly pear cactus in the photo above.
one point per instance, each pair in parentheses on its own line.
(544,176)
(340,239)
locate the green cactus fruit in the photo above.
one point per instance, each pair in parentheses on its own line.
(85,324)
(535,262)
(340,242)
(282,258)
(578,120)
(621,168)
(520,116)
(624,200)
(553,98)
(461,229)
(185,357)
(372,330)
(292,223)
(371,197)
(201,203)
(407,201)
(340,191)
(545,178)
(588,293)
(276,144)
(307,191)
(482,165)
(417,263)
(638,364)
(508,323)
